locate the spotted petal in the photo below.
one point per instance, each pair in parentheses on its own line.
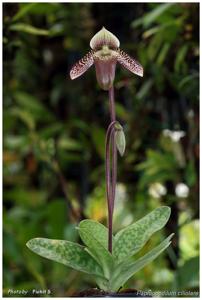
(129,63)
(82,65)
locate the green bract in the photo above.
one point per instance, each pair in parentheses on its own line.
(120,139)
(109,271)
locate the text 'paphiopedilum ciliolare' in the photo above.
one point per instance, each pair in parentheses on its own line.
(105,54)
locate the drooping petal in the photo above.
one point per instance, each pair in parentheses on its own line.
(82,65)
(129,63)
(104,38)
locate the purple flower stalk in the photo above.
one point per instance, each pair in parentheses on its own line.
(104,55)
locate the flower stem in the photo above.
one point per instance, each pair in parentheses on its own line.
(111,175)
(112,104)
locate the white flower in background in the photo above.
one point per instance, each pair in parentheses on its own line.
(174,135)
(157,190)
(182,190)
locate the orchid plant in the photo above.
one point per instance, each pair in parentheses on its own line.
(106,256)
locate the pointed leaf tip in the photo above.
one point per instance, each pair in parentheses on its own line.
(96,229)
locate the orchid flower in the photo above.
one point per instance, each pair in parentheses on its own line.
(105,54)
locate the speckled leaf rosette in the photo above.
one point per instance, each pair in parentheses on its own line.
(110,271)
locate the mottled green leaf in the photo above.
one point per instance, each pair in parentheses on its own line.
(96,248)
(131,239)
(102,283)
(96,229)
(126,270)
(68,253)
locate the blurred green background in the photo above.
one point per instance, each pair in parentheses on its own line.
(54,131)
